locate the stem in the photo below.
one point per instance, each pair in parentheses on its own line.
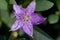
(13,35)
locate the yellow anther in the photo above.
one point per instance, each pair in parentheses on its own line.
(26,18)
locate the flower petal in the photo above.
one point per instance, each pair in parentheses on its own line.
(28,28)
(18,24)
(37,19)
(18,9)
(31,7)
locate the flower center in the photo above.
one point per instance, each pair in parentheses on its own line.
(26,18)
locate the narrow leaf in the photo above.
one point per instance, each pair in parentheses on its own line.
(40,35)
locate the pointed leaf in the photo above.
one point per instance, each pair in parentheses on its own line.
(53,19)
(40,35)
(42,5)
(0,23)
(5,16)
(3,4)
(12,2)
(58,4)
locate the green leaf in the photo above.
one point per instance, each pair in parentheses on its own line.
(58,38)
(40,35)
(0,23)
(3,11)
(3,4)
(12,2)
(53,18)
(21,32)
(42,5)
(57,13)
(11,20)
(5,16)
(58,4)
(2,37)
(26,3)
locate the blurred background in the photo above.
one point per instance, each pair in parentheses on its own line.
(49,30)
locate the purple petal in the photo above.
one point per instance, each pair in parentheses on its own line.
(28,28)
(18,24)
(31,7)
(37,19)
(18,9)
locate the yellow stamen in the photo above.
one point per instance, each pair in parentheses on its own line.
(26,18)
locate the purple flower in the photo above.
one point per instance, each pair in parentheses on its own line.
(26,18)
